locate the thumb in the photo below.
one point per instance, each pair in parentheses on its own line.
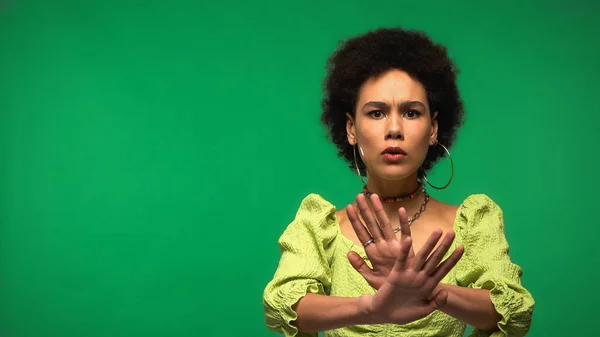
(358,263)
(361,266)
(440,299)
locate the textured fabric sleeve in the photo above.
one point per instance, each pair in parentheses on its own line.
(304,266)
(486,264)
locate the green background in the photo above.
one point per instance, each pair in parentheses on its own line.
(152,152)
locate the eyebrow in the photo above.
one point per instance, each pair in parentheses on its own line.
(402,106)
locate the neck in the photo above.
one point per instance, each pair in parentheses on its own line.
(384,188)
(396,188)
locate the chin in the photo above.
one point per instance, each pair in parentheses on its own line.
(395,172)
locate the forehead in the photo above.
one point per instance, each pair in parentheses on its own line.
(392,87)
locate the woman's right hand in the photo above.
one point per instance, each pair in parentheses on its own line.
(411,291)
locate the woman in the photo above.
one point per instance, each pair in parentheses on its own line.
(383,266)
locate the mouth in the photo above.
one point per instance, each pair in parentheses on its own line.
(394,150)
(393,155)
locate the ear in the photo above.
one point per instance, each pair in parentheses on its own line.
(351,129)
(434,129)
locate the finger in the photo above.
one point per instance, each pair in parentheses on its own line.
(423,254)
(361,231)
(363,269)
(444,268)
(384,222)
(358,263)
(437,256)
(368,217)
(405,247)
(404,227)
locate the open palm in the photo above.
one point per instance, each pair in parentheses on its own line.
(407,283)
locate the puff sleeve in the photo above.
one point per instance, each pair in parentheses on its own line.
(486,264)
(304,267)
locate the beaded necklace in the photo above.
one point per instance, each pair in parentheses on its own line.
(388,200)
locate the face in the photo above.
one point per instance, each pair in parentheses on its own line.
(392,125)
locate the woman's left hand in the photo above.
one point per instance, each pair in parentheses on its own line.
(385,248)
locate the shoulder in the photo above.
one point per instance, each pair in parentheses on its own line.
(479,212)
(315,206)
(314,214)
(479,204)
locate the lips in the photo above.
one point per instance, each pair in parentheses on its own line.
(393,155)
(394,150)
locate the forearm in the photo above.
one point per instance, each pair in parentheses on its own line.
(320,313)
(472,306)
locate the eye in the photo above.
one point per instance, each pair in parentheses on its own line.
(412,113)
(377,114)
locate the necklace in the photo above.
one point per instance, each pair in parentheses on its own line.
(389,200)
(417,214)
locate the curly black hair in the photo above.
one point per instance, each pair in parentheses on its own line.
(376,52)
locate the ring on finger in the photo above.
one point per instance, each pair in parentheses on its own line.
(368,242)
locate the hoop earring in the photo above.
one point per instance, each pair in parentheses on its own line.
(451,164)
(356,165)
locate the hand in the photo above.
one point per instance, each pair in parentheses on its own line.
(408,294)
(385,249)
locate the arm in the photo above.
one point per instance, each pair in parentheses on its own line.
(297,302)
(472,306)
(489,296)
(303,275)
(320,312)
(487,267)
(403,297)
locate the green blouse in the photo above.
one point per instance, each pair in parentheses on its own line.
(314,259)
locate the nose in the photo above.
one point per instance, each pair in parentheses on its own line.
(394,127)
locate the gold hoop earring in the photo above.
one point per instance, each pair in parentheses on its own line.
(356,165)
(451,164)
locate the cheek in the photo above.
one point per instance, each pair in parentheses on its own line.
(424,150)
(365,150)
(420,143)
(367,139)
